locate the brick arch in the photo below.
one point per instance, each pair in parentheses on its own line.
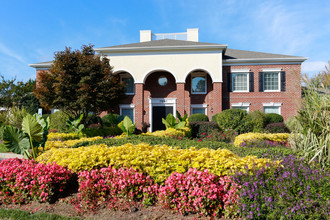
(158,70)
(199,70)
(154,90)
(126,71)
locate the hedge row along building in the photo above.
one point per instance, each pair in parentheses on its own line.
(165,73)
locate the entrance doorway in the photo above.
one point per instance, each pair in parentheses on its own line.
(159,112)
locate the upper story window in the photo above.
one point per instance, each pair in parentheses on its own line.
(129,83)
(198,83)
(272,80)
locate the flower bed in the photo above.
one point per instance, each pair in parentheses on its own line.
(157,161)
(62,136)
(171,132)
(249,137)
(23,180)
(69,143)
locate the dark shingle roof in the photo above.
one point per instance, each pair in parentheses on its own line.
(245,54)
(162,43)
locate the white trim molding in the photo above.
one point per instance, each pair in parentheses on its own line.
(242,104)
(272,104)
(160,102)
(240,70)
(272,70)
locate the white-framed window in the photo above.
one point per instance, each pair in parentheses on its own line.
(128,81)
(272,107)
(240,80)
(199,109)
(243,106)
(272,80)
(198,83)
(127,110)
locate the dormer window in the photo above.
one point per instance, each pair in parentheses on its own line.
(128,81)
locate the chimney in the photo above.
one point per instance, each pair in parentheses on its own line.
(145,35)
(192,34)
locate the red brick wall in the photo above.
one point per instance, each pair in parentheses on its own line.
(290,98)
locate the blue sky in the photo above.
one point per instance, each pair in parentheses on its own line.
(31,31)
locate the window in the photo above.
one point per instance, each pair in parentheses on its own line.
(199,109)
(198,83)
(240,82)
(243,106)
(129,83)
(271,80)
(127,110)
(272,108)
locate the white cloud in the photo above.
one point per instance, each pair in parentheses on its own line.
(8,52)
(313,66)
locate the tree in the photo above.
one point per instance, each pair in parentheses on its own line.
(322,80)
(19,94)
(79,82)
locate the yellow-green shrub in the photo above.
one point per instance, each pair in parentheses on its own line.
(278,137)
(62,136)
(171,132)
(157,161)
(68,143)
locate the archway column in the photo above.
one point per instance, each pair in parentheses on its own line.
(138,105)
(217,97)
(182,104)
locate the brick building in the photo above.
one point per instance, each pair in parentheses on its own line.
(165,73)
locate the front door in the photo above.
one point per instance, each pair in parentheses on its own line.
(159,112)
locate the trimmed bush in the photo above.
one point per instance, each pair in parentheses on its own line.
(200,128)
(170,133)
(273,118)
(22,181)
(157,161)
(198,117)
(255,121)
(248,137)
(214,117)
(58,121)
(111,120)
(103,132)
(232,119)
(279,127)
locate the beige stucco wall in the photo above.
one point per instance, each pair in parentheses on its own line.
(180,64)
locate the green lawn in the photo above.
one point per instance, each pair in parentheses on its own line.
(24,215)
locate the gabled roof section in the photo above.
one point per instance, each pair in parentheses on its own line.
(165,44)
(235,56)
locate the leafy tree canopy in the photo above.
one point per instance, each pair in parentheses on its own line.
(321,80)
(79,82)
(18,93)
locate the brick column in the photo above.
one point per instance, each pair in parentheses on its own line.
(139,105)
(217,98)
(180,101)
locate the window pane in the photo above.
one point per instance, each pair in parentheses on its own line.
(129,82)
(271,81)
(198,84)
(128,112)
(272,110)
(240,82)
(241,107)
(198,110)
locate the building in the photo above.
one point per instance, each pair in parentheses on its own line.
(165,73)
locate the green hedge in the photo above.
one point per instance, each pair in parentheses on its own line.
(198,117)
(273,118)
(103,132)
(200,127)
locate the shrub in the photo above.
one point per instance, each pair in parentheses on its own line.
(255,121)
(108,186)
(93,119)
(170,133)
(232,119)
(103,132)
(200,127)
(292,191)
(277,128)
(111,120)
(227,135)
(273,118)
(58,121)
(13,116)
(198,117)
(248,137)
(22,181)
(312,135)
(199,192)
(214,117)
(62,136)
(70,143)
(157,161)
(292,123)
